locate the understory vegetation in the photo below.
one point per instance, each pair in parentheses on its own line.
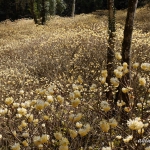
(53,85)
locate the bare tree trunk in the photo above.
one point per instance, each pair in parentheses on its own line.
(43,13)
(126,51)
(31,2)
(110,50)
(73,8)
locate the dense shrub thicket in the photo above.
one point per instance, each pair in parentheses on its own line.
(53,85)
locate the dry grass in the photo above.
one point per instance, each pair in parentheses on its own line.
(52,60)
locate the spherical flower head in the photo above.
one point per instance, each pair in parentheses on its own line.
(104,73)
(73,133)
(127,109)
(87,127)
(22,111)
(3,111)
(142,81)
(75,102)
(93,87)
(77,117)
(105,106)
(74,87)
(50,99)
(147,148)
(80,80)
(71,117)
(45,117)
(29,117)
(125,90)
(139,105)
(128,138)
(113,123)
(118,56)
(35,121)
(60,99)
(25,134)
(78,124)
(146,125)
(136,65)
(16,105)
(141,131)
(40,105)
(103,80)
(125,65)
(135,124)
(120,68)
(77,94)
(118,137)
(118,73)
(104,125)
(106,148)
(64,141)
(145,66)
(25,143)
(82,132)
(44,138)
(61,147)
(58,135)
(23,124)
(115,82)
(21,92)
(16,146)
(71,96)
(9,100)
(37,140)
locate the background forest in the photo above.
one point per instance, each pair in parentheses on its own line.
(16,9)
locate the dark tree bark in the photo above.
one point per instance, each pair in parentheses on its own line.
(110,50)
(31,2)
(126,52)
(43,13)
(73,8)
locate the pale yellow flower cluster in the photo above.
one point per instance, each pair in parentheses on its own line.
(114,81)
(118,56)
(135,124)
(145,66)
(128,138)
(104,76)
(9,100)
(16,146)
(40,140)
(142,81)
(105,125)
(84,131)
(75,118)
(106,148)
(105,106)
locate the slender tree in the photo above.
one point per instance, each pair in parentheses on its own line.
(126,55)
(32,10)
(73,8)
(43,12)
(110,50)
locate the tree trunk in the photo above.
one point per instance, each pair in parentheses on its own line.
(73,8)
(126,50)
(110,50)
(43,13)
(32,11)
